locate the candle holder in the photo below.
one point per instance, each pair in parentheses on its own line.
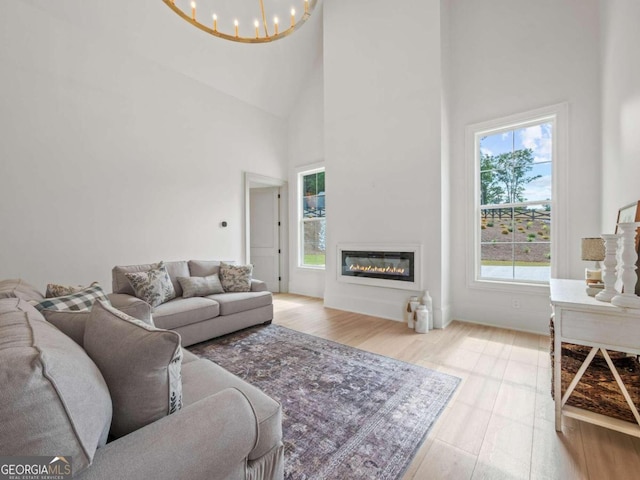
(609,271)
(628,298)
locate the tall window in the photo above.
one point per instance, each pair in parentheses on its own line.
(312,246)
(514,185)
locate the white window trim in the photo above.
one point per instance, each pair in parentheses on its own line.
(301,172)
(560,154)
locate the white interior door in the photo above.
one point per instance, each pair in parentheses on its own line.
(265,235)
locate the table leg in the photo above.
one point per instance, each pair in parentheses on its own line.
(557,375)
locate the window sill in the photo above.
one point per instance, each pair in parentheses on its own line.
(511,287)
(312,268)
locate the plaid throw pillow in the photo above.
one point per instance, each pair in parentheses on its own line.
(82,300)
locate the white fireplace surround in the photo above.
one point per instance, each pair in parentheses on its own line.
(415,248)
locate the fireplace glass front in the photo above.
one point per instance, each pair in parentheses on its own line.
(397,266)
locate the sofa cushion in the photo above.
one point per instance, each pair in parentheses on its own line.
(235,278)
(188,357)
(204,268)
(239,302)
(82,300)
(200,286)
(120,284)
(72,324)
(153,286)
(18,288)
(53,398)
(184,311)
(203,378)
(141,365)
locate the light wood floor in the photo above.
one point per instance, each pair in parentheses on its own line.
(499,424)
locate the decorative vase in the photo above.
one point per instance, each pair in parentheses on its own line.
(422,319)
(628,298)
(428,302)
(411,311)
(609,270)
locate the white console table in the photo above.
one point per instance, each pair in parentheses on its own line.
(583,320)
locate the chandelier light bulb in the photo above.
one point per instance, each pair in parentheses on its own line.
(275,24)
(193,10)
(235,23)
(256,24)
(215,22)
(293,17)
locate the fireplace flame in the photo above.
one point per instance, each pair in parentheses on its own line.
(389,270)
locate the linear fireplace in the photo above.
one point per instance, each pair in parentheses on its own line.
(391,266)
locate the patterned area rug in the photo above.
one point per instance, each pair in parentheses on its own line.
(347,413)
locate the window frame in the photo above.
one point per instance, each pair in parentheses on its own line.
(301,220)
(557,115)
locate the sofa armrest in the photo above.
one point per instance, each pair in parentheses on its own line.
(207,440)
(258,285)
(131,306)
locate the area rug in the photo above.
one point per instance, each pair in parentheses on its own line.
(347,413)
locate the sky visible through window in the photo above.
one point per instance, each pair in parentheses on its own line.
(538,139)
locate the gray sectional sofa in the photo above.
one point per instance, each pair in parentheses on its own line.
(197,319)
(56,397)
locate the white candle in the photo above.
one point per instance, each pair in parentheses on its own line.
(275,24)
(193,10)
(293,17)
(215,22)
(235,23)
(256,24)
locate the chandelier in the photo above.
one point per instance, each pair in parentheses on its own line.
(283,22)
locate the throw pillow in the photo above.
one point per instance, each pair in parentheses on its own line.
(153,286)
(200,286)
(82,300)
(57,290)
(53,398)
(141,365)
(235,278)
(73,324)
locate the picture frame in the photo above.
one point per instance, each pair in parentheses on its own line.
(631,213)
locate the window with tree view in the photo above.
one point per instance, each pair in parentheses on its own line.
(312,221)
(515,170)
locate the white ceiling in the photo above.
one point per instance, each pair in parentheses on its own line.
(269,76)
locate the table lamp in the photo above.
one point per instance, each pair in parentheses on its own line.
(593,251)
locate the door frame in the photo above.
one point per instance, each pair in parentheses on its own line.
(254,180)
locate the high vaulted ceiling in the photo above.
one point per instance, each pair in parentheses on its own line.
(269,76)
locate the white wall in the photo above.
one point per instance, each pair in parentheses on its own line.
(445,158)
(507,57)
(382,96)
(620,107)
(306,147)
(108,158)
